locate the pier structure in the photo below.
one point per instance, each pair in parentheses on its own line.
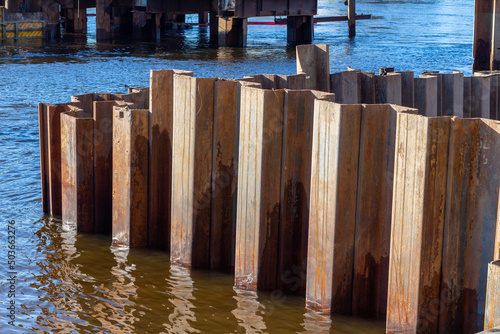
(145,19)
(344,193)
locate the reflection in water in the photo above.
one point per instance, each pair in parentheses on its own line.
(316,323)
(181,294)
(114,308)
(247,311)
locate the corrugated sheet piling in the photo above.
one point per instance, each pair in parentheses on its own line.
(365,209)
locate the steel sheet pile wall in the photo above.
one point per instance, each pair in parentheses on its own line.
(365,209)
(443,226)
(77,154)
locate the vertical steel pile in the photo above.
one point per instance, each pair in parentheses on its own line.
(444,218)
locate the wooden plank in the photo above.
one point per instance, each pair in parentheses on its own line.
(374,207)
(160,157)
(407,88)
(453,94)
(224,169)
(314,61)
(130,177)
(345,87)
(295,188)
(332,214)
(425,95)
(258,198)
(388,88)
(77,172)
(471,218)
(417,223)
(492,314)
(192,152)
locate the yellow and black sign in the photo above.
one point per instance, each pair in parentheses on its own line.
(21,30)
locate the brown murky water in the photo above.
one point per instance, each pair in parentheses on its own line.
(68,283)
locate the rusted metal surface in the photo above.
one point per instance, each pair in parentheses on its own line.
(417,224)
(492,315)
(345,87)
(192,149)
(452,102)
(388,88)
(130,176)
(103,164)
(314,61)
(483,33)
(224,182)
(332,215)
(407,88)
(472,208)
(374,208)
(160,159)
(259,164)
(467,97)
(366,81)
(295,188)
(50,155)
(77,171)
(426,96)
(480,96)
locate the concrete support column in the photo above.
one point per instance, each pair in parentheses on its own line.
(232,31)
(103,19)
(300,29)
(12,6)
(214,28)
(76,20)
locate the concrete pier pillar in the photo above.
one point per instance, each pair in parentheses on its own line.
(300,29)
(76,20)
(483,33)
(232,31)
(214,28)
(103,20)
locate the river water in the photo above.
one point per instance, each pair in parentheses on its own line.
(68,283)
